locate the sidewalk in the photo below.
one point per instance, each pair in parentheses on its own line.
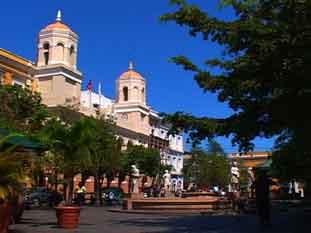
(100,220)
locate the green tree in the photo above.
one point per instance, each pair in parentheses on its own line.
(264,73)
(148,161)
(11,169)
(206,169)
(214,148)
(21,110)
(103,152)
(69,143)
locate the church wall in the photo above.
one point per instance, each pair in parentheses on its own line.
(135,121)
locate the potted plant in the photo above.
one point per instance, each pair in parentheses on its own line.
(68,142)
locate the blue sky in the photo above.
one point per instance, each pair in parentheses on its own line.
(114,32)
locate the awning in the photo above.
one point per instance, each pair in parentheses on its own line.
(22,142)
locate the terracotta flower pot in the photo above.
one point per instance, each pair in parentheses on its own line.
(68,216)
(5,216)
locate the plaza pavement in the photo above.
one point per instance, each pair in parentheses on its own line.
(100,220)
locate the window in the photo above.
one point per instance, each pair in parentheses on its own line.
(142,117)
(125,93)
(46,53)
(124,116)
(60,51)
(136,93)
(72,50)
(143,94)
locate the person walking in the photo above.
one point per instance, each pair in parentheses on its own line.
(262,191)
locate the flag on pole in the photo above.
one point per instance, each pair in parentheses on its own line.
(100,92)
(90,85)
(100,88)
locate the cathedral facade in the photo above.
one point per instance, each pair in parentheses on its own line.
(56,77)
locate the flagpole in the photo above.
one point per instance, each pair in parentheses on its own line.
(90,87)
(100,93)
(90,96)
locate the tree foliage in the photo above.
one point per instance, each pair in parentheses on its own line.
(206,169)
(265,73)
(214,148)
(69,144)
(20,109)
(148,160)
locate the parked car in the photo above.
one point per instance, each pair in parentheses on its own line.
(41,196)
(112,196)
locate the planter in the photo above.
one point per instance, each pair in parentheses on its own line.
(5,216)
(68,216)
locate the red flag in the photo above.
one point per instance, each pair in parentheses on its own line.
(90,85)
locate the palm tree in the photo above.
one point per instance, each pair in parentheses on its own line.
(68,143)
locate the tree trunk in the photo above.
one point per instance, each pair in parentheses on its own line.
(130,184)
(69,189)
(56,181)
(108,181)
(84,177)
(121,178)
(98,191)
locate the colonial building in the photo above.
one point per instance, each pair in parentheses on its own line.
(56,77)
(250,159)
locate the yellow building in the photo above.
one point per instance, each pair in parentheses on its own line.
(15,70)
(250,159)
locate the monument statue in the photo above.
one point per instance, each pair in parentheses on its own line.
(167,180)
(134,179)
(235,177)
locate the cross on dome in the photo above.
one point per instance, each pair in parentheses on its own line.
(131,65)
(59,16)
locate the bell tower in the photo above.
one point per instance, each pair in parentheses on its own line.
(131,105)
(131,87)
(57,74)
(57,44)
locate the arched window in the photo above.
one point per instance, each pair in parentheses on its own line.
(60,51)
(143,94)
(46,53)
(72,50)
(125,93)
(136,93)
(72,57)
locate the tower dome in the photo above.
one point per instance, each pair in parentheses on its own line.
(58,24)
(58,44)
(131,73)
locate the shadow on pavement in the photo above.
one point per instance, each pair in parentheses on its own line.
(219,224)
